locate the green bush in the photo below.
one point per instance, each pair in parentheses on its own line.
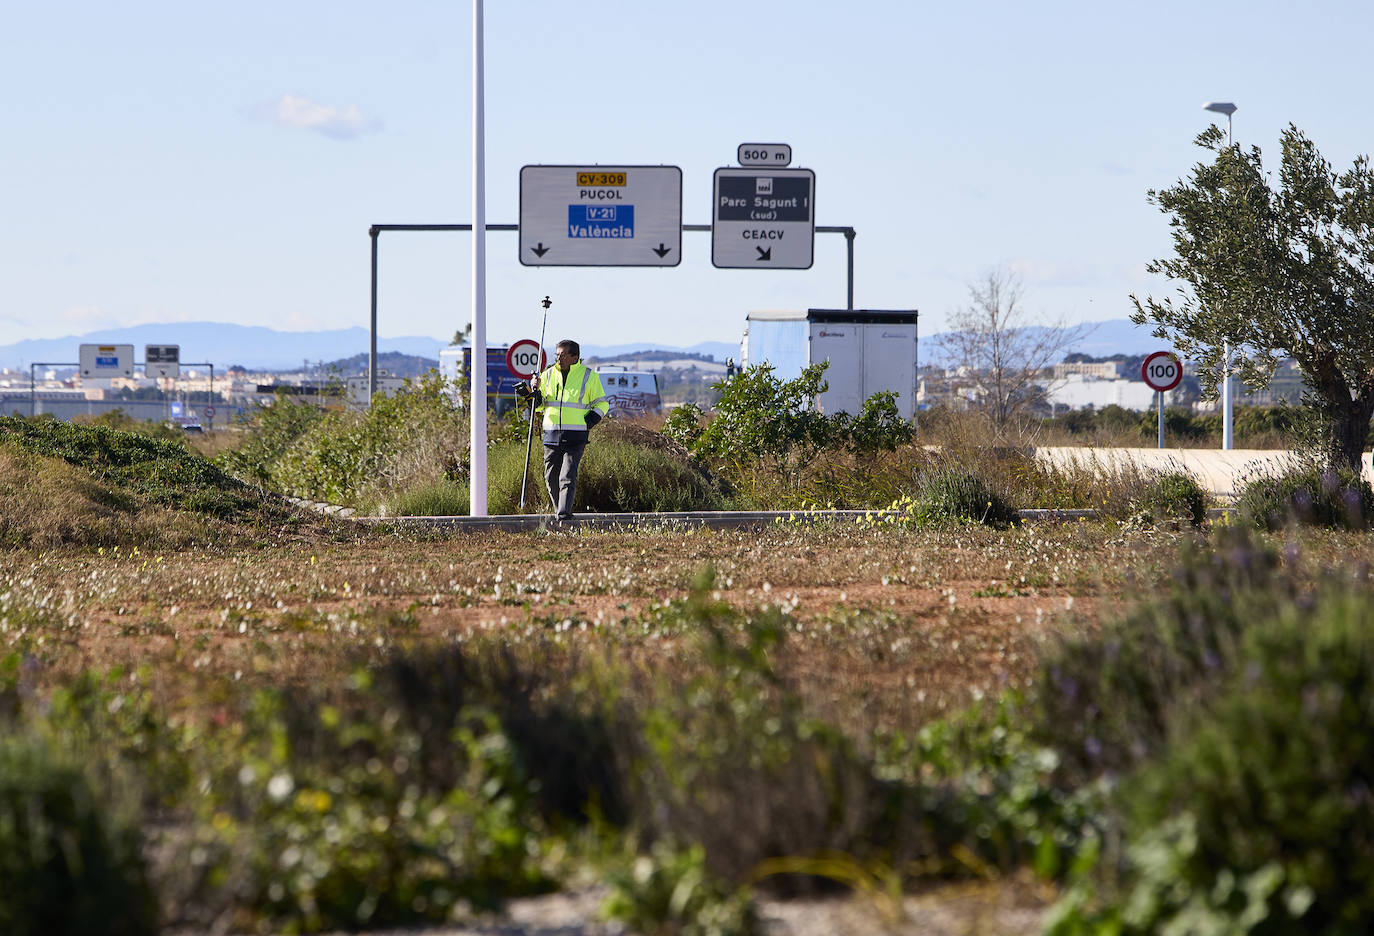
(1176,495)
(1105,698)
(672,892)
(721,753)
(1257,817)
(767,433)
(363,458)
(620,476)
(271,432)
(1309,495)
(156,471)
(951,493)
(685,424)
(69,862)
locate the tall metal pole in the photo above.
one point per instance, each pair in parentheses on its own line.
(1160,394)
(1227,437)
(477,490)
(849,246)
(372,345)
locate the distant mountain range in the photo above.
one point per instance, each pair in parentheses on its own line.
(260,348)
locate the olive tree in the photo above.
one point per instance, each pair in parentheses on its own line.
(1274,274)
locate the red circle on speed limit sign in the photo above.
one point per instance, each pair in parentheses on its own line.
(1162,370)
(525,358)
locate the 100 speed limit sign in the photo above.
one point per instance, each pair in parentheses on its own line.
(1162,371)
(525,358)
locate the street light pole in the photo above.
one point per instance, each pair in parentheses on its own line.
(1227,440)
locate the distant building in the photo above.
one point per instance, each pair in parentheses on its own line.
(1102,370)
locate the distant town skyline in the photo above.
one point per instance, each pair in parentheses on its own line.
(174,163)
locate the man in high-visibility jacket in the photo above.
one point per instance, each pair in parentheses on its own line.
(571,397)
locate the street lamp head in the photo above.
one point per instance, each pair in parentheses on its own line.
(1220,107)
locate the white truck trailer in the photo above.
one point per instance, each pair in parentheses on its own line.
(868,349)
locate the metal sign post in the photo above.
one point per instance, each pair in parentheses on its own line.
(1161,371)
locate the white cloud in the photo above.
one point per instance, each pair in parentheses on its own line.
(298,113)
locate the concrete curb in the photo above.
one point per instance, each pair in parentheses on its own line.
(715,520)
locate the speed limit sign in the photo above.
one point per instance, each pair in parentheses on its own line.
(525,358)
(1162,371)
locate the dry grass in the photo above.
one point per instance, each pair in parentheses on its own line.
(46,503)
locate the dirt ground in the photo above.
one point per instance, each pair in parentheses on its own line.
(914,623)
(886,628)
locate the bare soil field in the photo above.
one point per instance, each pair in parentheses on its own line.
(889,628)
(905,624)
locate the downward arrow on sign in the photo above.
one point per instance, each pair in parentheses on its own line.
(764,254)
(540,250)
(661,250)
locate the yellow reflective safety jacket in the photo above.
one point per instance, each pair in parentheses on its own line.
(567,403)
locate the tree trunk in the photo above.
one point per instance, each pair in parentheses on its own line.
(1349,412)
(1351,430)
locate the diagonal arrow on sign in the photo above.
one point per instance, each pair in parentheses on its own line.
(763,254)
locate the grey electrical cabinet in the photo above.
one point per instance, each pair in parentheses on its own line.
(869,350)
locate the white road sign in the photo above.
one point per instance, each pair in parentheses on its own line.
(600,215)
(112,360)
(162,361)
(778,155)
(763,219)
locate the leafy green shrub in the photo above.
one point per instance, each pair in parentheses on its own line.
(725,756)
(135,470)
(1309,495)
(764,423)
(684,424)
(362,458)
(878,427)
(950,493)
(368,845)
(767,435)
(617,475)
(1175,495)
(69,863)
(626,468)
(1105,698)
(1257,816)
(360,807)
(672,892)
(271,432)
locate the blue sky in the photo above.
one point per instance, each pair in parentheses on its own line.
(170,162)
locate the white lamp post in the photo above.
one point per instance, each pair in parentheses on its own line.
(1227,108)
(477,373)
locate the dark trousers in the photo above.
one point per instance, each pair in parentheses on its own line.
(560,474)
